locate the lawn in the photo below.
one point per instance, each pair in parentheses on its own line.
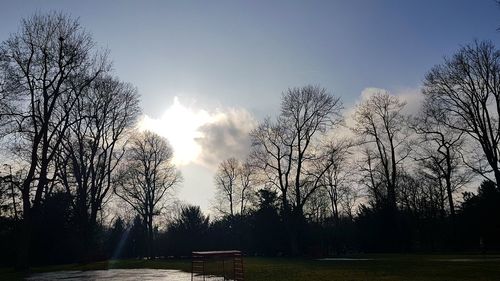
(376,267)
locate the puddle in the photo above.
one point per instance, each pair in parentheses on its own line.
(344,259)
(143,274)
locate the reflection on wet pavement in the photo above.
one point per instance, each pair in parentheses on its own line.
(143,274)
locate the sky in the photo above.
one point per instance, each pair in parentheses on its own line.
(208,71)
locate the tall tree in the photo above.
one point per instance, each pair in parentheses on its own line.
(439,153)
(380,123)
(147,175)
(247,181)
(371,176)
(226,181)
(271,154)
(285,151)
(234,181)
(337,177)
(46,65)
(467,87)
(94,145)
(308,112)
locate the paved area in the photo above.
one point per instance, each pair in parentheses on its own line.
(119,274)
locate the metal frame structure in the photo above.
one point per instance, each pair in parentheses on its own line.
(200,258)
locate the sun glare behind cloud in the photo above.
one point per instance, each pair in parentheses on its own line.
(179,124)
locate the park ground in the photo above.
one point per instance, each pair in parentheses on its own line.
(369,267)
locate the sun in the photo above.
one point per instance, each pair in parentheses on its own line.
(180,125)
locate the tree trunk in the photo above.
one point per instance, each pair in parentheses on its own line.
(231,205)
(150,236)
(25,236)
(497,177)
(335,209)
(452,206)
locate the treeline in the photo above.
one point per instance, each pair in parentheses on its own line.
(317,180)
(262,232)
(68,129)
(379,179)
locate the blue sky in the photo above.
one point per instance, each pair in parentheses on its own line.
(215,55)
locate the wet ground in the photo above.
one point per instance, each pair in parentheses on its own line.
(344,259)
(119,274)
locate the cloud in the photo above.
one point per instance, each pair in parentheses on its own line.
(207,137)
(226,136)
(179,124)
(412,96)
(202,136)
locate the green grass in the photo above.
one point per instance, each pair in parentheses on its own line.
(383,267)
(389,267)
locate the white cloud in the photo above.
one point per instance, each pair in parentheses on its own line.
(180,125)
(202,136)
(412,96)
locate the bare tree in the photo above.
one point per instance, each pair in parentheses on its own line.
(414,194)
(308,112)
(226,181)
(371,176)
(285,151)
(381,125)
(349,200)
(46,65)
(439,153)
(9,193)
(234,181)
(271,154)
(247,182)
(337,177)
(147,176)
(94,145)
(467,88)
(317,207)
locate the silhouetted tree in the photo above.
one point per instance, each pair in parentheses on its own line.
(380,124)
(272,147)
(480,218)
(317,208)
(45,67)
(147,175)
(137,240)
(337,178)
(188,231)
(371,177)
(54,236)
(234,181)
(226,180)
(9,193)
(413,194)
(268,226)
(467,88)
(117,239)
(247,182)
(93,147)
(285,151)
(439,154)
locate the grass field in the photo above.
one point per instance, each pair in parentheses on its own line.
(376,267)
